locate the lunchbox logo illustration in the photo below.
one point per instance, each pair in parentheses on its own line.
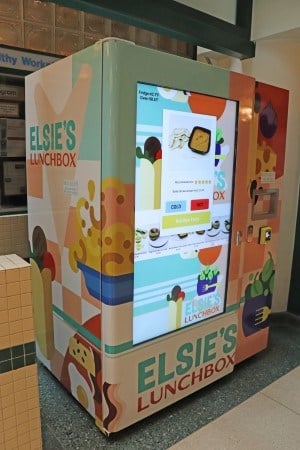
(161,376)
(54,140)
(52,144)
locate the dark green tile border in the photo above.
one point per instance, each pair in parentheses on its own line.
(13,358)
(17,351)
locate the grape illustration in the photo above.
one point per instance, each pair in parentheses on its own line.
(262,283)
(256,287)
(272,283)
(267,269)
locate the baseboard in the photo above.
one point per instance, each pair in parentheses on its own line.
(284,318)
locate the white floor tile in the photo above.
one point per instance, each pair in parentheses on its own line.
(260,423)
(286,390)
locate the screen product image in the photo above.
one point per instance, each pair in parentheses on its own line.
(183,195)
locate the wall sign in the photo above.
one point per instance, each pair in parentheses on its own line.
(24,60)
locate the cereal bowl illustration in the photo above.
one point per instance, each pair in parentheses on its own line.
(85,254)
(104,245)
(91,278)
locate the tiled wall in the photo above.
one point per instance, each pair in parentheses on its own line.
(14,235)
(50,28)
(20,424)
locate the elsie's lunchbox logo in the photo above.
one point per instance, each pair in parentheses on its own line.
(53,144)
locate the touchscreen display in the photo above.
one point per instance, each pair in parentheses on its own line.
(185,148)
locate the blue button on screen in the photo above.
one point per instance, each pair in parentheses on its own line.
(176,207)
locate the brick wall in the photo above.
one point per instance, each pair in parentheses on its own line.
(47,27)
(50,28)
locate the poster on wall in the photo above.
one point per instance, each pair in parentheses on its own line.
(185,148)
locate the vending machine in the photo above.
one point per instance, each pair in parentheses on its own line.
(154,187)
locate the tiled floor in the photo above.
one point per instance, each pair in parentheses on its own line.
(267,420)
(245,410)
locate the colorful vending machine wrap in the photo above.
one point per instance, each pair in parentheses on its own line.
(64,215)
(261,230)
(139,180)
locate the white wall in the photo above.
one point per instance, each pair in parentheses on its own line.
(274,16)
(222,9)
(276,62)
